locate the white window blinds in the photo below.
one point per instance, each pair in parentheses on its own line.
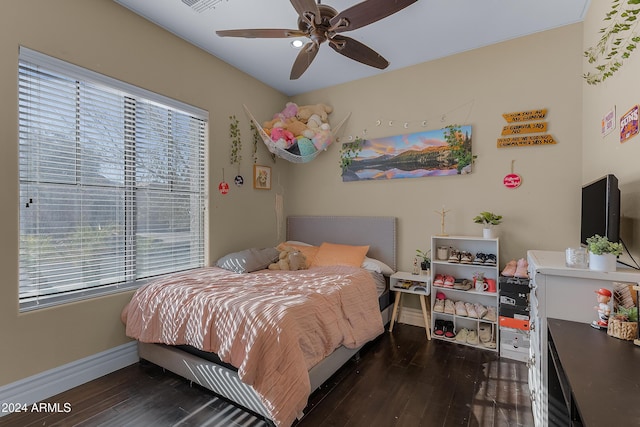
(112,183)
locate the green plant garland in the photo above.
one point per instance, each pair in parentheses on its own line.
(619,39)
(236,142)
(348,151)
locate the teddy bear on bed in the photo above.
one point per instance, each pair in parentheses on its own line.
(290,259)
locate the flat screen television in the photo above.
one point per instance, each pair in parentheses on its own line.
(601,209)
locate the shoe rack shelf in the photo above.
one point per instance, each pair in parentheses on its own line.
(460,271)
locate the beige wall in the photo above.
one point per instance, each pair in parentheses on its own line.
(601,156)
(476,88)
(104,37)
(539,71)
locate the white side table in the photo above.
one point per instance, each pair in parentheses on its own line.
(406,283)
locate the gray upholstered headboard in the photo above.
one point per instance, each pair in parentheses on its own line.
(379,232)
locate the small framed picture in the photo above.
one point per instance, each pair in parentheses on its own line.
(261,177)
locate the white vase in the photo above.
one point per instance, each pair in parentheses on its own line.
(488,233)
(604,262)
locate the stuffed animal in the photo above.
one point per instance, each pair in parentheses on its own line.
(295,126)
(290,110)
(282,137)
(290,259)
(306,111)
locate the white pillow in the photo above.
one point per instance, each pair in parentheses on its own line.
(377,266)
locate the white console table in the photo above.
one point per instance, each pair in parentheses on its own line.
(562,293)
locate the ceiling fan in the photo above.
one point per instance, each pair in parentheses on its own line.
(321,23)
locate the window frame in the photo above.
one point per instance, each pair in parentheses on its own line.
(127,91)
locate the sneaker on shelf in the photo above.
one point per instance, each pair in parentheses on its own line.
(487,338)
(463,285)
(472,337)
(484,332)
(471,310)
(480,258)
(454,256)
(461,336)
(510,268)
(449,329)
(449,307)
(449,281)
(438,307)
(490,259)
(491,315)
(461,309)
(466,257)
(521,269)
(481,310)
(438,280)
(438,327)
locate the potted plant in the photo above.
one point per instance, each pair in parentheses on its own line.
(623,323)
(488,220)
(425,257)
(603,253)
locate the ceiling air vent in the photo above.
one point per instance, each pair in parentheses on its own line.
(201,5)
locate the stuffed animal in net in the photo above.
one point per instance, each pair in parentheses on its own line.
(306,111)
(290,259)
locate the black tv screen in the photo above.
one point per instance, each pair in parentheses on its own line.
(601,209)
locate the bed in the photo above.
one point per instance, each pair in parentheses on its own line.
(208,370)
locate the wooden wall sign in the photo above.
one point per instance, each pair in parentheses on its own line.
(524,128)
(522,141)
(525,116)
(532,132)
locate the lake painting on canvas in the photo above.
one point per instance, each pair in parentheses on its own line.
(439,152)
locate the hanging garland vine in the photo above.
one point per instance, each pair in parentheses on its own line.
(236,142)
(619,39)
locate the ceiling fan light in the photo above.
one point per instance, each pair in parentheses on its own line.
(297,44)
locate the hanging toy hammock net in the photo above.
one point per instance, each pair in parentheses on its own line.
(296,149)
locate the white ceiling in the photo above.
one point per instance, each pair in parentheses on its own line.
(426,30)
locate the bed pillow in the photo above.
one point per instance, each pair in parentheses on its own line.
(248,260)
(307,250)
(334,254)
(376,266)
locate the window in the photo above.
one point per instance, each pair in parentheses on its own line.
(112,188)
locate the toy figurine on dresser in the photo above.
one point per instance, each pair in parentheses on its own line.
(603,297)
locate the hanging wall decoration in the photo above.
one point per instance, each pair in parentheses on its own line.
(223,187)
(298,133)
(261,177)
(512,180)
(439,152)
(236,148)
(524,129)
(629,124)
(608,122)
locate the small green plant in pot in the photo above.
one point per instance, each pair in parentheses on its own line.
(603,253)
(488,220)
(425,257)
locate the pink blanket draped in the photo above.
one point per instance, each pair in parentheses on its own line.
(271,325)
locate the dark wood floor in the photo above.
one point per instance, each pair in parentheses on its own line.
(401,379)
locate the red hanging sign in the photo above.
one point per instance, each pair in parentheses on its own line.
(223,188)
(512,180)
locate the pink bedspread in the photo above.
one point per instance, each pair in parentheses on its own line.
(271,325)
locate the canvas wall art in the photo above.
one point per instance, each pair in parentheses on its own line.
(439,152)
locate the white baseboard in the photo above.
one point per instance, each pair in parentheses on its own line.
(54,381)
(411,316)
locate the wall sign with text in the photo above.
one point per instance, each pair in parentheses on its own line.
(629,124)
(525,128)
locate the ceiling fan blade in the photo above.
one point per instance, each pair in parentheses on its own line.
(303,60)
(303,7)
(267,33)
(357,51)
(366,12)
